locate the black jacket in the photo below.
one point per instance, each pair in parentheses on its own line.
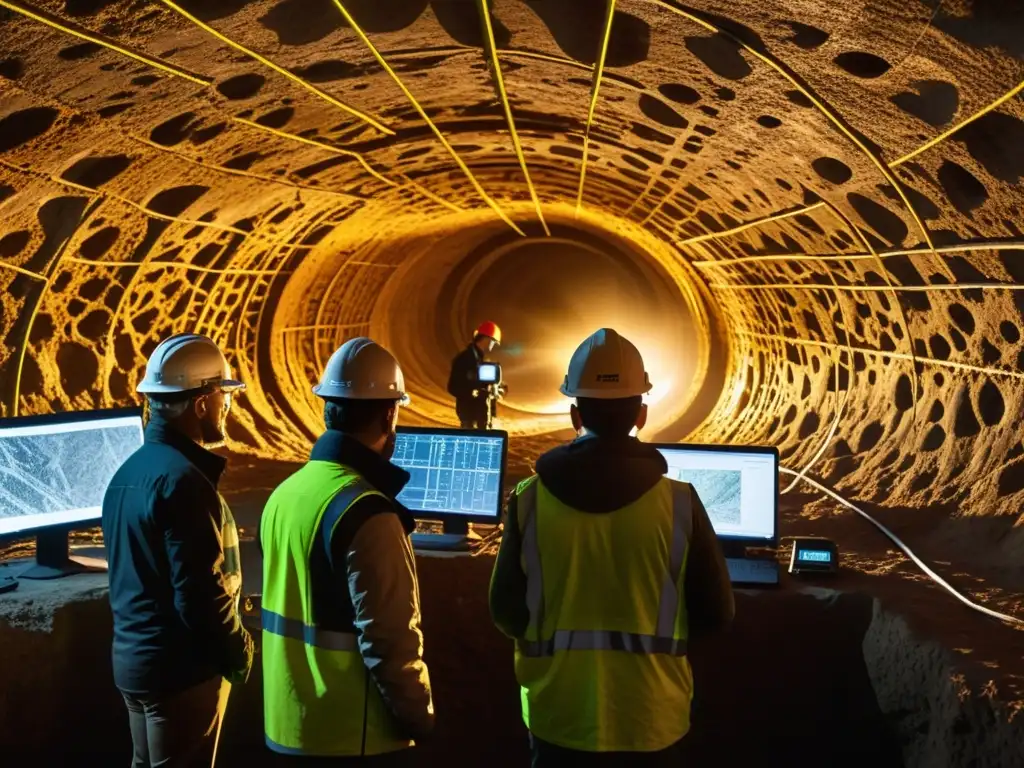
(365,582)
(599,475)
(175,577)
(462,379)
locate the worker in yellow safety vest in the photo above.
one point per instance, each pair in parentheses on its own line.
(604,570)
(343,673)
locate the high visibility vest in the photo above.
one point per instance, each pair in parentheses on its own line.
(603,664)
(318,698)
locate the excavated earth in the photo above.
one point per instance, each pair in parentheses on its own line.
(805,213)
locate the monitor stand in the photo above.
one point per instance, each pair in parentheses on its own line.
(53,558)
(456,538)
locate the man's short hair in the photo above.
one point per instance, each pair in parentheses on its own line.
(609,418)
(354,416)
(171,405)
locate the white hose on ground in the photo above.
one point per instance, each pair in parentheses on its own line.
(907,551)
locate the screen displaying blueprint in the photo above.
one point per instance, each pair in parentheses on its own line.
(452,473)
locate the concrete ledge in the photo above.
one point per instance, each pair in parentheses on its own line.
(808,671)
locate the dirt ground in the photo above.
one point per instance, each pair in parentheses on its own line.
(804,661)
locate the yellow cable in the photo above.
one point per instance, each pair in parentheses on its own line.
(281,70)
(867,288)
(419,108)
(172,265)
(144,58)
(889,355)
(825,257)
(946,134)
(750,225)
(826,110)
(320,145)
(598,72)
(47,280)
(339,327)
(22,271)
(499,81)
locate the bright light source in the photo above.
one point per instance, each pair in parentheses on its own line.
(660,387)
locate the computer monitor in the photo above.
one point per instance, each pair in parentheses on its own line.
(457,477)
(488,373)
(738,486)
(54,471)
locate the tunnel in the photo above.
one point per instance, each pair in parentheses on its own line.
(805,214)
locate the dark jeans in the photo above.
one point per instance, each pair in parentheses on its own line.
(472,414)
(403,758)
(547,755)
(176,731)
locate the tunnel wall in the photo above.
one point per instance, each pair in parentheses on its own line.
(840,185)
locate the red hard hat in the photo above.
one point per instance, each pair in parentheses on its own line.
(491,330)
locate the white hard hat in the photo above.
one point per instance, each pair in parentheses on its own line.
(606,366)
(361,369)
(186,362)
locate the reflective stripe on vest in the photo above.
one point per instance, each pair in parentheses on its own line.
(318,698)
(276,624)
(663,642)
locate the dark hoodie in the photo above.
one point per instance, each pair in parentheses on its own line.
(600,475)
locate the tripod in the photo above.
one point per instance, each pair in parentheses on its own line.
(494,394)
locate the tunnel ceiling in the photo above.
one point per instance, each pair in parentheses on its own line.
(836,183)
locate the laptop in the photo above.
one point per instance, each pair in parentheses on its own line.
(739,488)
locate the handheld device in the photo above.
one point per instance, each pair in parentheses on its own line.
(488,373)
(739,488)
(489,381)
(54,471)
(814,555)
(457,479)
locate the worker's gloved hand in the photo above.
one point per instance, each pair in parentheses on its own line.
(476,393)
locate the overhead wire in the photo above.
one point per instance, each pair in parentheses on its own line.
(499,83)
(426,118)
(594,92)
(358,114)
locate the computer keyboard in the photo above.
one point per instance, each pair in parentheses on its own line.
(744,570)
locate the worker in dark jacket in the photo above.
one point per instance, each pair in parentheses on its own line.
(175,576)
(605,569)
(471,402)
(343,673)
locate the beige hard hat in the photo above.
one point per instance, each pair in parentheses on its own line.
(606,367)
(361,369)
(186,362)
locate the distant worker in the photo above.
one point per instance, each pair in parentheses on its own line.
(475,401)
(343,670)
(605,570)
(175,574)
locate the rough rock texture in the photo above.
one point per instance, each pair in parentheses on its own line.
(819,202)
(824,186)
(939,716)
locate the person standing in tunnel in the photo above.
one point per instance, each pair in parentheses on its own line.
(605,569)
(472,406)
(344,680)
(174,569)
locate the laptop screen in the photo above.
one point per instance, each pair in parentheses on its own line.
(454,472)
(738,487)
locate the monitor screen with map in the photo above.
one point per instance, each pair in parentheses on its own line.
(738,486)
(54,468)
(456,474)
